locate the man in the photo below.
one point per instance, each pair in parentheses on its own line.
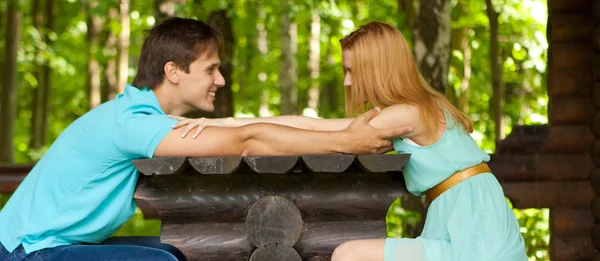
(81,191)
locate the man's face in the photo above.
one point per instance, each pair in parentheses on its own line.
(198,88)
(347,64)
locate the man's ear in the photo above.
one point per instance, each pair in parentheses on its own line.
(171,72)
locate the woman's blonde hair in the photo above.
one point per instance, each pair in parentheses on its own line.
(384,73)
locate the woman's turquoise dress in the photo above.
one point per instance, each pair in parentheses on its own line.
(470,221)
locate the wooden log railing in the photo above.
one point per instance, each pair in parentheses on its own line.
(270,208)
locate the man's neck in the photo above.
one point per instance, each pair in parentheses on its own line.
(169,100)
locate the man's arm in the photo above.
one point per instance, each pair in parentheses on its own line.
(271,139)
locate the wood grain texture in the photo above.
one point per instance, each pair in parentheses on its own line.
(226,198)
(572,194)
(572,248)
(331,164)
(383,163)
(570,27)
(571,55)
(319,239)
(570,83)
(271,164)
(275,252)
(568,6)
(571,222)
(161,165)
(570,111)
(208,241)
(550,167)
(273,220)
(546,139)
(11,176)
(216,165)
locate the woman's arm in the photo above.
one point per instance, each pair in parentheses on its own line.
(391,117)
(300,122)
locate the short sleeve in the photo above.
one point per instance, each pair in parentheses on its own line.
(139,135)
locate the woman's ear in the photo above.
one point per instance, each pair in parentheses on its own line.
(171,72)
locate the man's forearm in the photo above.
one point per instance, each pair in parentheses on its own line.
(269,139)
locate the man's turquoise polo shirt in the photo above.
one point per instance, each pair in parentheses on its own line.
(82,188)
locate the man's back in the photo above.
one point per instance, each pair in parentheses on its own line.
(82,189)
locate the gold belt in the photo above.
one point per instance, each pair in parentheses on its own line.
(456,178)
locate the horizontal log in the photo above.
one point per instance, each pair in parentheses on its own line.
(273,220)
(573,194)
(382,163)
(272,164)
(570,111)
(275,252)
(543,139)
(11,176)
(319,239)
(208,241)
(570,222)
(595,152)
(569,83)
(595,92)
(596,236)
(595,68)
(229,241)
(596,10)
(572,55)
(568,6)
(513,168)
(595,208)
(572,249)
(161,165)
(595,180)
(571,27)
(215,165)
(226,198)
(332,164)
(596,124)
(595,39)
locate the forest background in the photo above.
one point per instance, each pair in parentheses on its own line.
(62,58)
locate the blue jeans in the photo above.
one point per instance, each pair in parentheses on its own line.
(113,249)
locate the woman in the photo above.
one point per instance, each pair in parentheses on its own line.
(468,217)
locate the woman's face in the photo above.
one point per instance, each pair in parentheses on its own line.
(347,64)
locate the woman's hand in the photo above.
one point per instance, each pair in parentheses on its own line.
(198,123)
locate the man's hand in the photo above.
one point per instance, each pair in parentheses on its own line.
(364,139)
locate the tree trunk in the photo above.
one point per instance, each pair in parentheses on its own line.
(432,42)
(407,12)
(496,61)
(224,99)
(94,25)
(463,100)
(9,90)
(431,36)
(314,60)
(111,88)
(47,87)
(287,68)
(123,45)
(37,110)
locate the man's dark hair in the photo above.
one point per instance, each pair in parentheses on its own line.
(179,40)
